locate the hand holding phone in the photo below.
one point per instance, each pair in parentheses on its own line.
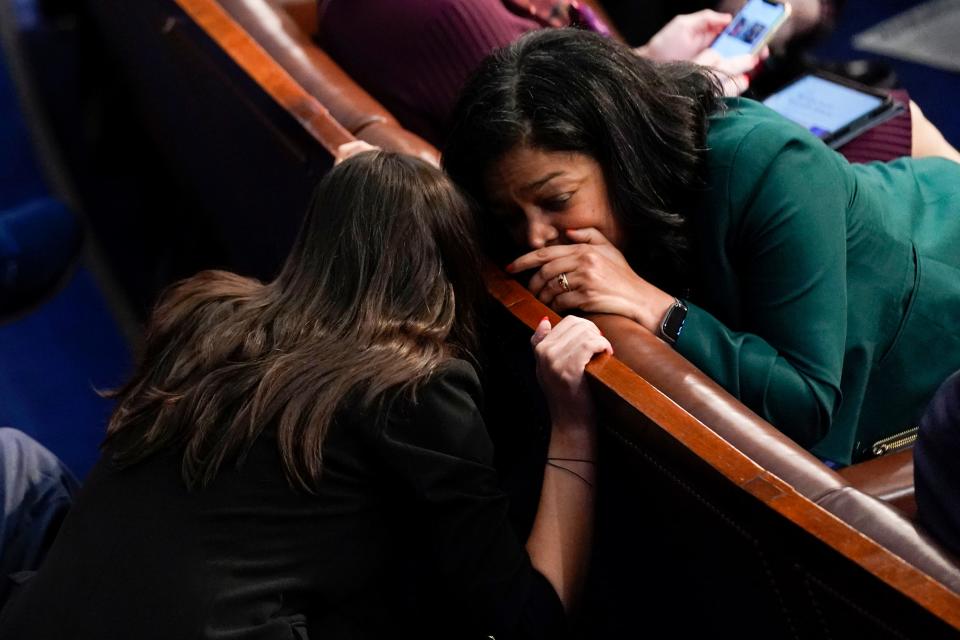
(751,29)
(686,36)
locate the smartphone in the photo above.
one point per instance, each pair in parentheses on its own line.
(834,109)
(751,29)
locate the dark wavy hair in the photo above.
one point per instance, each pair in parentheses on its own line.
(572,90)
(377,293)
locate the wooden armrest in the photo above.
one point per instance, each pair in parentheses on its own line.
(710,403)
(276,27)
(888,478)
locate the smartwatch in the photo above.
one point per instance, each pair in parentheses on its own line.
(672,323)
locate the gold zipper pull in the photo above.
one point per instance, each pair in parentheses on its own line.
(896,442)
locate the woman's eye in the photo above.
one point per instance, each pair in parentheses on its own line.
(558,203)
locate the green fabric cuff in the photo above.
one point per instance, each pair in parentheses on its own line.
(701,332)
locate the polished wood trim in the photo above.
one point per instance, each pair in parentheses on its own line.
(648,401)
(637,394)
(258,64)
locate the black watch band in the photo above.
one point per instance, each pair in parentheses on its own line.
(672,323)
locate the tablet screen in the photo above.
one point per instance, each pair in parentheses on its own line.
(821,106)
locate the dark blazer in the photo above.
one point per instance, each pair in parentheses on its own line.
(935,471)
(407,536)
(829,293)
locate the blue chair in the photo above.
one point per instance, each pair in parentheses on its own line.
(39,241)
(39,236)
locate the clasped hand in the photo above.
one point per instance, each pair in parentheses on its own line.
(562,353)
(597,279)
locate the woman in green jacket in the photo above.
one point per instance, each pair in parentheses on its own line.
(823,295)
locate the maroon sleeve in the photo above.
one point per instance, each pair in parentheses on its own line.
(887,141)
(414,56)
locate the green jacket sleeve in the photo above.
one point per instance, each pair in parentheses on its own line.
(786,242)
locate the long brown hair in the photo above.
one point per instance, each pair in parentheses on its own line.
(377,293)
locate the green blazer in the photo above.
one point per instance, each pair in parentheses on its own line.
(828,295)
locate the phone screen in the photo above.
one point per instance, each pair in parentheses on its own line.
(749,28)
(821,106)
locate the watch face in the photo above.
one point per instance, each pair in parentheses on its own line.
(673,323)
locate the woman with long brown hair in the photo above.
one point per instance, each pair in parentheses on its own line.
(306,457)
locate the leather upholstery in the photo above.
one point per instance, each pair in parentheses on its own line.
(672,374)
(283,38)
(888,477)
(857,495)
(883,523)
(303,12)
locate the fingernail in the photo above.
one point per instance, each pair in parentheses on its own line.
(601,333)
(509,268)
(544,319)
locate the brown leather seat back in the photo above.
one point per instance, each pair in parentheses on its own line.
(669,372)
(282,36)
(684,550)
(674,509)
(303,12)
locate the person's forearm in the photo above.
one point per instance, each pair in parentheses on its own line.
(926,139)
(559,544)
(652,308)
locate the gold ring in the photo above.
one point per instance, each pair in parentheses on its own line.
(564,283)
